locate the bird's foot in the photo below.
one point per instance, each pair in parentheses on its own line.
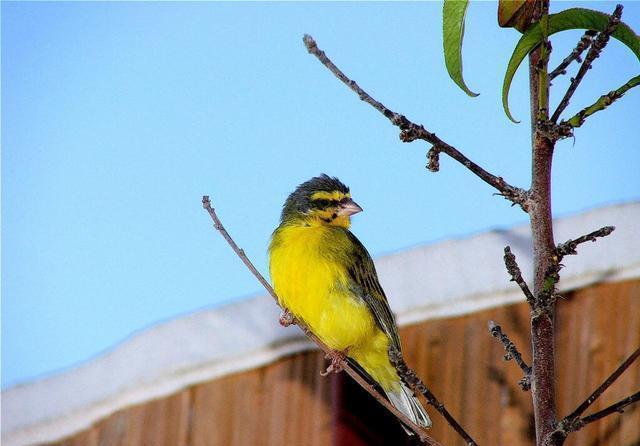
(337,362)
(286,318)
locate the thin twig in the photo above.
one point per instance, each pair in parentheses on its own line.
(603,102)
(597,46)
(573,422)
(411,379)
(410,131)
(569,247)
(516,275)
(546,295)
(604,386)
(512,353)
(371,389)
(583,44)
(565,427)
(616,407)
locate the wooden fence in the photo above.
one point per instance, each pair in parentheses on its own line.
(289,403)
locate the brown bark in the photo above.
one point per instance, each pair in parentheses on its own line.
(540,214)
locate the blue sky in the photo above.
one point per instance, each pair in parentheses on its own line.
(118,117)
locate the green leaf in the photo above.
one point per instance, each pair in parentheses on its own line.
(453,13)
(575,18)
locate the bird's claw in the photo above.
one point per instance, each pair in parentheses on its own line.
(337,361)
(286,318)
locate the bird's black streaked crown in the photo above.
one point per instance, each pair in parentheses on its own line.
(299,202)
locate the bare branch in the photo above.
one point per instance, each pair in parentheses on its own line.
(286,318)
(597,46)
(516,275)
(573,422)
(546,294)
(603,102)
(583,44)
(604,386)
(411,379)
(410,131)
(569,247)
(616,407)
(512,353)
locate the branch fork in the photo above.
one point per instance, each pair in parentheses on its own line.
(574,421)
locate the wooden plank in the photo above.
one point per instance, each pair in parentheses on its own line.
(287,402)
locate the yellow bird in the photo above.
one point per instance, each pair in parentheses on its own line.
(325,277)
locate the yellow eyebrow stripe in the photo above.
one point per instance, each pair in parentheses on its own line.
(334,195)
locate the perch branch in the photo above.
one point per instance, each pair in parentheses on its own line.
(411,379)
(512,353)
(583,44)
(569,247)
(597,46)
(516,275)
(426,439)
(574,422)
(410,131)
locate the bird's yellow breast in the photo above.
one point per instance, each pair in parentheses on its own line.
(313,284)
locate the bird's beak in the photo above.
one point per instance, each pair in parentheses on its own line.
(348,208)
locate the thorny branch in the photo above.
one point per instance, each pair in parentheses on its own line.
(286,317)
(516,275)
(583,44)
(569,247)
(410,132)
(574,422)
(597,46)
(411,379)
(512,353)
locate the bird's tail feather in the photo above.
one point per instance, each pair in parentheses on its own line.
(405,401)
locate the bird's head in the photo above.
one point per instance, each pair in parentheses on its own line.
(322,200)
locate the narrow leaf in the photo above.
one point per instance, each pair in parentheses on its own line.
(453,14)
(575,18)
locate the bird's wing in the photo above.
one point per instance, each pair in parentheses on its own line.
(365,283)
